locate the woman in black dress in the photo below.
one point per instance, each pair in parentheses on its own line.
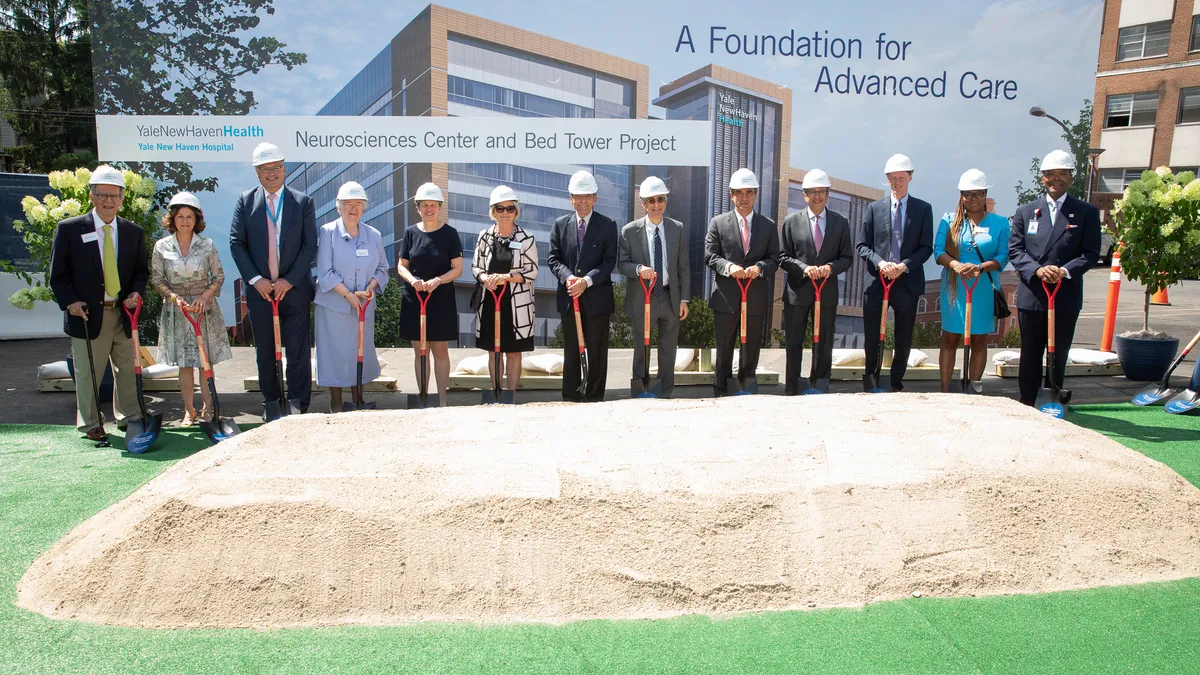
(505,255)
(430,260)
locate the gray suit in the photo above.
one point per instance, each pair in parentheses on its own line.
(797,251)
(634,250)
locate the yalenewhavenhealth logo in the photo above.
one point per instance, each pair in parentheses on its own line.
(185,132)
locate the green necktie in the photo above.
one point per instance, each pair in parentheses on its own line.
(112,280)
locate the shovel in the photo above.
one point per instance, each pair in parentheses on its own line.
(877,382)
(216,429)
(1156,393)
(359,403)
(273,410)
(142,432)
(103,442)
(583,364)
(644,387)
(969,387)
(748,384)
(1051,399)
(820,385)
(497,394)
(419,400)
(1187,399)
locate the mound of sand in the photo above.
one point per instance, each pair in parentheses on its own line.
(624,509)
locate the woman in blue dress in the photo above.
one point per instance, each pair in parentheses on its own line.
(351,268)
(970,242)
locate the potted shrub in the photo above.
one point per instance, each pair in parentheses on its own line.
(1158,225)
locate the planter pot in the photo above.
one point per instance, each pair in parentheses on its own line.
(106,382)
(1145,360)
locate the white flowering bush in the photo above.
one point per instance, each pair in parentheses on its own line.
(42,218)
(1158,225)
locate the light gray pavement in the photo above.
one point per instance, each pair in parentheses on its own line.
(21,403)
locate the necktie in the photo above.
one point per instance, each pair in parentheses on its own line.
(579,232)
(112,280)
(817,236)
(658,288)
(1053,210)
(272,241)
(745,236)
(897,234)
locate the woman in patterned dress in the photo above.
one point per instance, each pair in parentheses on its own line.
(186,270)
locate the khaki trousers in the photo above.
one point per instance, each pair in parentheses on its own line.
(112,344)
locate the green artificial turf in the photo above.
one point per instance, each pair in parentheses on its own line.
(51,480)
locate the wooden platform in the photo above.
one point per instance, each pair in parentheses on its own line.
(923,372)
(379,384)
(67,384)
(1073,370)
(686,378)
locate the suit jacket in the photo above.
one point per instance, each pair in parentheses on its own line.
(875,241)
(1072,241)
(77,272)
(297,242)
(597,260)
(797,251)
(723,247)
(635,251)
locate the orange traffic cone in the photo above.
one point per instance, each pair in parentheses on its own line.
(1160,298)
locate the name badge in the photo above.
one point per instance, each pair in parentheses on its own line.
(361,252)
(170,255)
(1032,227)
(514,245)
(90,238)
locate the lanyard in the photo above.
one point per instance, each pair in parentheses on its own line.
(278,210)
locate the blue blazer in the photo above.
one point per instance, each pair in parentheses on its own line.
(297,242)
(596,260)
(915,249)
(1072,241)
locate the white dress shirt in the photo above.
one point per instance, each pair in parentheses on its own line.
(99,224)
(1055,206)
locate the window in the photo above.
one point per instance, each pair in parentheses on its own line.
(1189,104)
(1194,44)
(922,307)
(1131,110)
(1116,180)
(1151,39)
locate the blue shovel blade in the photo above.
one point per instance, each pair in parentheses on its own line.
(1147,398)
(1178,407)
(1054,409)
(812,391)
(140,443)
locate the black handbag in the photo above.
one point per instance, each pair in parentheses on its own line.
(999,303)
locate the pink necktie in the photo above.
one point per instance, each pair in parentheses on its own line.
(817,236)
(745,236)
(272,245)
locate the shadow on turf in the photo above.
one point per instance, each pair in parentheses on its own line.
(171,445)
(1150,433)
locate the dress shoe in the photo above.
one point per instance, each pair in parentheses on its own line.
(96,434)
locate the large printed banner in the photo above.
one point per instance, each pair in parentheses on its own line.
(211,138)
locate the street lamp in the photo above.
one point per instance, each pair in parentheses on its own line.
(1093,157)
(1039,111)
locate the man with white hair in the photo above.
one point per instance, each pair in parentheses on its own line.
(896,239)
(815,246)
(99,262)
(273,240)
(1055,239)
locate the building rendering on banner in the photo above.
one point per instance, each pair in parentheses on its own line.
(446,62)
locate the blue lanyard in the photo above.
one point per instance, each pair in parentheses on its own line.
(278,210)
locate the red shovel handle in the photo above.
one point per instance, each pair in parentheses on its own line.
(195,321)
(497,296)
(1050,311)
(745,287)
(423,298)
(646,313)
(818,286)
(133,324)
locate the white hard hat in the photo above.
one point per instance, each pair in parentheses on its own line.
(1058,159)
(583,183)
(106,175)
(652,187)
(742,179)
(351,190)
(973,179)
(428,192)
(502,194)
(185,199)
(898,162)
(816,178)
(265,153)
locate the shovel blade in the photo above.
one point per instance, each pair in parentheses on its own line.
(1154,394)
(348,406)
(640,388)
(219,430)
(747,386)
(1184,401)
(271,411)
(1046,402)
(416,402)
(506,397)
(878,384)
(142,433)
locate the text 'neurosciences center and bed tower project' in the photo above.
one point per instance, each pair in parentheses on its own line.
(448,63)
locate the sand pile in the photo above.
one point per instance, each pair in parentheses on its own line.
(624,509)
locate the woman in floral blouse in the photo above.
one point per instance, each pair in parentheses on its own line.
(186,271)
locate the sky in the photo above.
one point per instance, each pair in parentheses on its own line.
(1047,47)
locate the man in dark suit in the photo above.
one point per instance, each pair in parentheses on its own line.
(97,263)
(652,248)
(896,239)
(814,244)
(273,240)
(740,244)
(583,254)
(1055,239)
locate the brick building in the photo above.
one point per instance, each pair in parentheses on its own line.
(929,306)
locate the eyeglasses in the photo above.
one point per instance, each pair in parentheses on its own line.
(975,194)
(511,208)
(655,200)
(105,197)
(817,193)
